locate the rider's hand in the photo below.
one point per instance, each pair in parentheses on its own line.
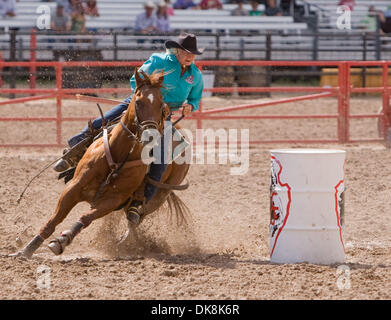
(187,108)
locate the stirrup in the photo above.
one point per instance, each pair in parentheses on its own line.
(133,214)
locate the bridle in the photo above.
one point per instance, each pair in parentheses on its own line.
(140,128)
(146,124)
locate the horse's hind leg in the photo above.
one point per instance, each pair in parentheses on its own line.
(101,209)
(68,199)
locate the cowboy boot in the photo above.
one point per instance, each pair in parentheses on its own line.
(62,165)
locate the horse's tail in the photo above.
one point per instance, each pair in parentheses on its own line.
(177,208)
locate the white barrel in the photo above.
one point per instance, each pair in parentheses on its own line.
(307,206)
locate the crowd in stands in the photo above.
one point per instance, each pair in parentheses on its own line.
(156,18)
(271,9)
(70,15)
(150,21)
(384,19)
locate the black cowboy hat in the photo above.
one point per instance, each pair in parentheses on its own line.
(187,42)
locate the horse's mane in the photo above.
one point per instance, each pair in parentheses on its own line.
(154,79)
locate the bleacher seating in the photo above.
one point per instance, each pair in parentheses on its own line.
(349,40)
(121,14)
(290,40)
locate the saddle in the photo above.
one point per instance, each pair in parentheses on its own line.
(74,154)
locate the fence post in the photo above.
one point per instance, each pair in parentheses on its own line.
(59,103)
(218,48)
(364,57)
(315,46)
(1,69)
(115,39)
(343,102)
(378,39)
(268,58)
(386,124)
(268,47)
(241,54)
(12,56)
(199,120)
(33,58)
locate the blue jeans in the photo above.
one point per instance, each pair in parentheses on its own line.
(97,123)
(156,170)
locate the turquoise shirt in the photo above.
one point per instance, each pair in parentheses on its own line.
(177,90)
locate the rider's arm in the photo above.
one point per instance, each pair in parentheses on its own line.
(195,95)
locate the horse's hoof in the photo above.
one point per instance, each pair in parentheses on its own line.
(133,218)
(133,215)
(56,247)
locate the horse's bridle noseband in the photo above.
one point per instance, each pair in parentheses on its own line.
(144,125)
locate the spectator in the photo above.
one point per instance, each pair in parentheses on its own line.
(7,8)
(71,6)
(254,9)
(185,4)
(170,9)
(162,18)
(60,21)
(385,20)
(210,4)
(91,8)
(78,18)
(348,3)
(287,7)
(272,9)
(239,10)
(146,22)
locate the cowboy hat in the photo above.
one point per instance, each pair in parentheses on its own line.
(149,4)
(187,42)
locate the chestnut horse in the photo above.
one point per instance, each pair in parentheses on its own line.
(146,111)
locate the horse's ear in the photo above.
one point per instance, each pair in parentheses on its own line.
(146,77)
(139,81)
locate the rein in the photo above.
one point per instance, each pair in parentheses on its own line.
(115,167)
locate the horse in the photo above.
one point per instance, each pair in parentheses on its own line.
(146,111)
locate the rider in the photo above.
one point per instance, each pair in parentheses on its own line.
(182,87)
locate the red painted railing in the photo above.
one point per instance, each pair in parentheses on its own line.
(342,92)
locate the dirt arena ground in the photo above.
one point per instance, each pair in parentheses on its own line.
(224,251)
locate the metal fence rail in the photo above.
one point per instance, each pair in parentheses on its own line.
(120,45)
(341,92)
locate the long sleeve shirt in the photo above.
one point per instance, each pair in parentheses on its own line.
(163,24)
(176,89)
(7,6)
(143,22)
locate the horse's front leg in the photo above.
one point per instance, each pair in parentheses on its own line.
(102,208)
(68,199)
